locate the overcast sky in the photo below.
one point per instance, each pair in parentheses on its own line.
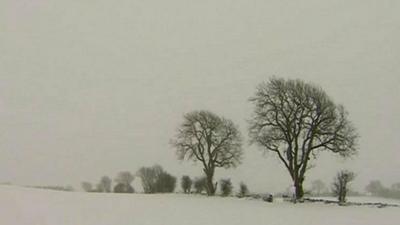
(90,88)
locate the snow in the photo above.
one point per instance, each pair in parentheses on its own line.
(20,206)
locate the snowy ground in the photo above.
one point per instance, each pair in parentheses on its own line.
(20,206)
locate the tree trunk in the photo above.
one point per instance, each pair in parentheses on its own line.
(299,191)
(298,183)
(210,187)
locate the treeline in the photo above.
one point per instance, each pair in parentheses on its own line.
(154,180)
(376,188)
(199,186)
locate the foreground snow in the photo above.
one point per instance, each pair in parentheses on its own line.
(20,206)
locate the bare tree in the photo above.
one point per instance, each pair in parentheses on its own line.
(149,177)
(156,180)
(212,140)
(295,120)
(340,185)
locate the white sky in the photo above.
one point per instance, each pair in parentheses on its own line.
(89,88)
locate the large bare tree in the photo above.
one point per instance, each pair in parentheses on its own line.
(295,120)
(212,140)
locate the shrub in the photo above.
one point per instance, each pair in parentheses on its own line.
(243,190)
(165,183)
(226,187)
(86,186)
(200,184)
(123,188)
(156,180)
(186,183)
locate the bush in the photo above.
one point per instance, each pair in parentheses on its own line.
(200,184)
(186,183)
(124,180)
(226,187)
(156,180)
(243,190)
(165,183)
(123,188)
(86,186)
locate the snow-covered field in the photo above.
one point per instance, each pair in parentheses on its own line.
(20,206)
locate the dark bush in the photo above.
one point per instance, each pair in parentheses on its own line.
(123,188)
(243,190)
(156,180)
(200,184)
(186,184)
(226,187)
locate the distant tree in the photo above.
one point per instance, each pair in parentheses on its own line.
(156,180)
(226,187)
(104,184)
(243,190)
(395,191)
(340,184)
(396,186)
(124,180)
(212,140)
(200,184)
(375,187)
(125,177)
(186,184)
(295,120)
(318,187)
(86,186)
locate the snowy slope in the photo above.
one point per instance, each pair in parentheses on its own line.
(20,206)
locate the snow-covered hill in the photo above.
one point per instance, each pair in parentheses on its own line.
(20,206)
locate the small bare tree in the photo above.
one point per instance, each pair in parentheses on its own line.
(149,177)
(340,185)
(295,120)
(212,140)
